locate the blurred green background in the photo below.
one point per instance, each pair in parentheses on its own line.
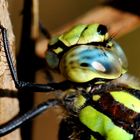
(53,14)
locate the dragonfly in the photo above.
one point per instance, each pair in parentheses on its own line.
(100,102)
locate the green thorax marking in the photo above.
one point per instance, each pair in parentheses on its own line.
(127,100)
(100,123)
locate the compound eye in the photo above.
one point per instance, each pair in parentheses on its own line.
(102,29)
(52,59)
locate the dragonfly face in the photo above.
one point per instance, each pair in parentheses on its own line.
(85,53)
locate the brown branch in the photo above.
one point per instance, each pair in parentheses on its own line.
(9,107)
(35,19)
(27,61)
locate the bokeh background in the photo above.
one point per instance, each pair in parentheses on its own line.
(54,14)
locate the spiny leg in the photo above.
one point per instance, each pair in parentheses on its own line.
(27,85)
(44,31)
(17,122)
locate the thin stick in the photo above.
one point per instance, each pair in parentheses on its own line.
(9,106)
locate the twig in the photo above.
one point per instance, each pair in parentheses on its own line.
(9,106)
(27,61)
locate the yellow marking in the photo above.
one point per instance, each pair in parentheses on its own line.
(58,50)
(92,138)
(98,122)
(106,36)
(110,44)
(96,97)
(127,99)
(100,82)
(79,101)
(88,89)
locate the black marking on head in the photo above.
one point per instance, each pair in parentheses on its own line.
(102,29)
(84,64)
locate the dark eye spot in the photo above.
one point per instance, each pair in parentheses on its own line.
(102,29)
(84,65)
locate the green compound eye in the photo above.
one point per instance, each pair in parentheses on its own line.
(83,54)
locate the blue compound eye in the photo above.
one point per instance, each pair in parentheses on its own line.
(117,50)
(86,62)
